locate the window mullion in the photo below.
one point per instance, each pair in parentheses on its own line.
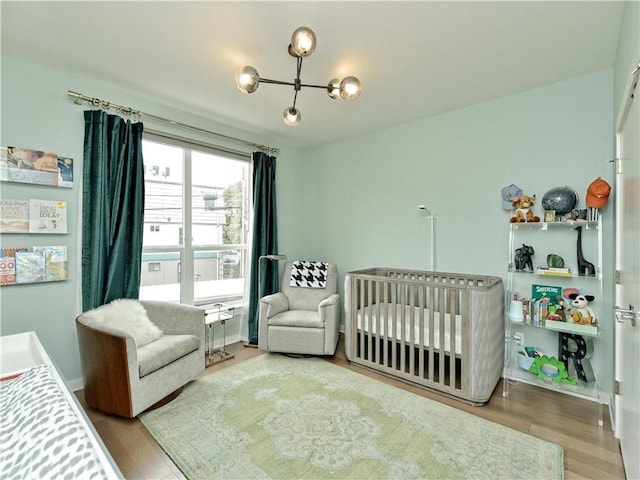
(187,293)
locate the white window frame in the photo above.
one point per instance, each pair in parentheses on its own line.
(187,249)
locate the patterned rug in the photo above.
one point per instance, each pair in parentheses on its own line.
(280,417)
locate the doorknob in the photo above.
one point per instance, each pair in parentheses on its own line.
(630,314)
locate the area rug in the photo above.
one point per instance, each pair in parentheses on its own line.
(304,418)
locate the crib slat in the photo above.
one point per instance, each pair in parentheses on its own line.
(420,332)
(370,317)
(453,303)
(411,325)
(403,327)
(432,345)
(441,312)
(363,308)
(465,340)
(387,287)
(394,327)
(378,322)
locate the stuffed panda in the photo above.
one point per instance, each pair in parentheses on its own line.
(581,312)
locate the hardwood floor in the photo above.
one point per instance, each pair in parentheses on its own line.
(590,452)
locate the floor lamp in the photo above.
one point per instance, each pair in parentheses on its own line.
(432,230)
(267,257)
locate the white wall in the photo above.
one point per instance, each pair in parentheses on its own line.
(38,114)
(365,204)
(628,53)
(368,188)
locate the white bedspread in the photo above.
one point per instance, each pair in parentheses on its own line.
(412,322)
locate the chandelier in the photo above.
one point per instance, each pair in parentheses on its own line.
(303,43)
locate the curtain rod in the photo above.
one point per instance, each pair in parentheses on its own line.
(96,102)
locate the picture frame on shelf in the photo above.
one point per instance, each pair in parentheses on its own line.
(549,216)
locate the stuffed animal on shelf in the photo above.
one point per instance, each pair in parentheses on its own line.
(523,257)
(581,312)
(522,205)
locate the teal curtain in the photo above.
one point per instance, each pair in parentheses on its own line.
(112,208)
(265,237)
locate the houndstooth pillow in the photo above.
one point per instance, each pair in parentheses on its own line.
(40,435)
(308,274)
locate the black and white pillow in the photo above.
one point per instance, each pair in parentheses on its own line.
(40,434)
(308,274)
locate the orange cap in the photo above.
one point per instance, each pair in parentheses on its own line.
(598,193)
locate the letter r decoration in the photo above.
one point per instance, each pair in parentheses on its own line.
(575,348)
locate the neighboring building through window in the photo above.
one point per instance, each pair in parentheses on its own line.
(199,196)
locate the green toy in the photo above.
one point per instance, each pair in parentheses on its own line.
(552,368)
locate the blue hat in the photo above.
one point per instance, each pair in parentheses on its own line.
(511,190)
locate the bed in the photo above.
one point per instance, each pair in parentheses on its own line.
(442,331)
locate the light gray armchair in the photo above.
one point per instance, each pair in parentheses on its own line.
(123,376)
(301,320)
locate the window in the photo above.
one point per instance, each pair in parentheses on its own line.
(154,266)
(199,196)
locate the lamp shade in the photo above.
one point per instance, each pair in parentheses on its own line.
(303,41)
(248,79)
(291,116)
(350,88)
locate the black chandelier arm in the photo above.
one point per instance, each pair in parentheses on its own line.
(295,98)
(296,84)
(298,72)
(276,82)
(314,86)
(291,84)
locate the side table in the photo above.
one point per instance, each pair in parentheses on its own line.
(217,313)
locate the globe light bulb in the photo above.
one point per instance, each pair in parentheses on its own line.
(350,88)
(248,79)
(333,88)
(291,116)
(303,41)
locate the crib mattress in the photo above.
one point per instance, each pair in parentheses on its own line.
(390,313)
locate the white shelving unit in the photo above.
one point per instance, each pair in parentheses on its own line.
(559,238)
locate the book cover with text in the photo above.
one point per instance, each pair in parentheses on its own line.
(14,216)
(47,216)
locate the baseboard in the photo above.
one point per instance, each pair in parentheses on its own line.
(612,418)
(75,384)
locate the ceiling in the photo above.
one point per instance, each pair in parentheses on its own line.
(414,59)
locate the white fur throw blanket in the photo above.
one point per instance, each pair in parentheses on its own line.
(130,316)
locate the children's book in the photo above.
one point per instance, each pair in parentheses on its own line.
(55,262)
(548,302)
(545,291)
(47,216)
(14,216)
(30,267)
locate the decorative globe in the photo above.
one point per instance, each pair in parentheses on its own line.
(560,199)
